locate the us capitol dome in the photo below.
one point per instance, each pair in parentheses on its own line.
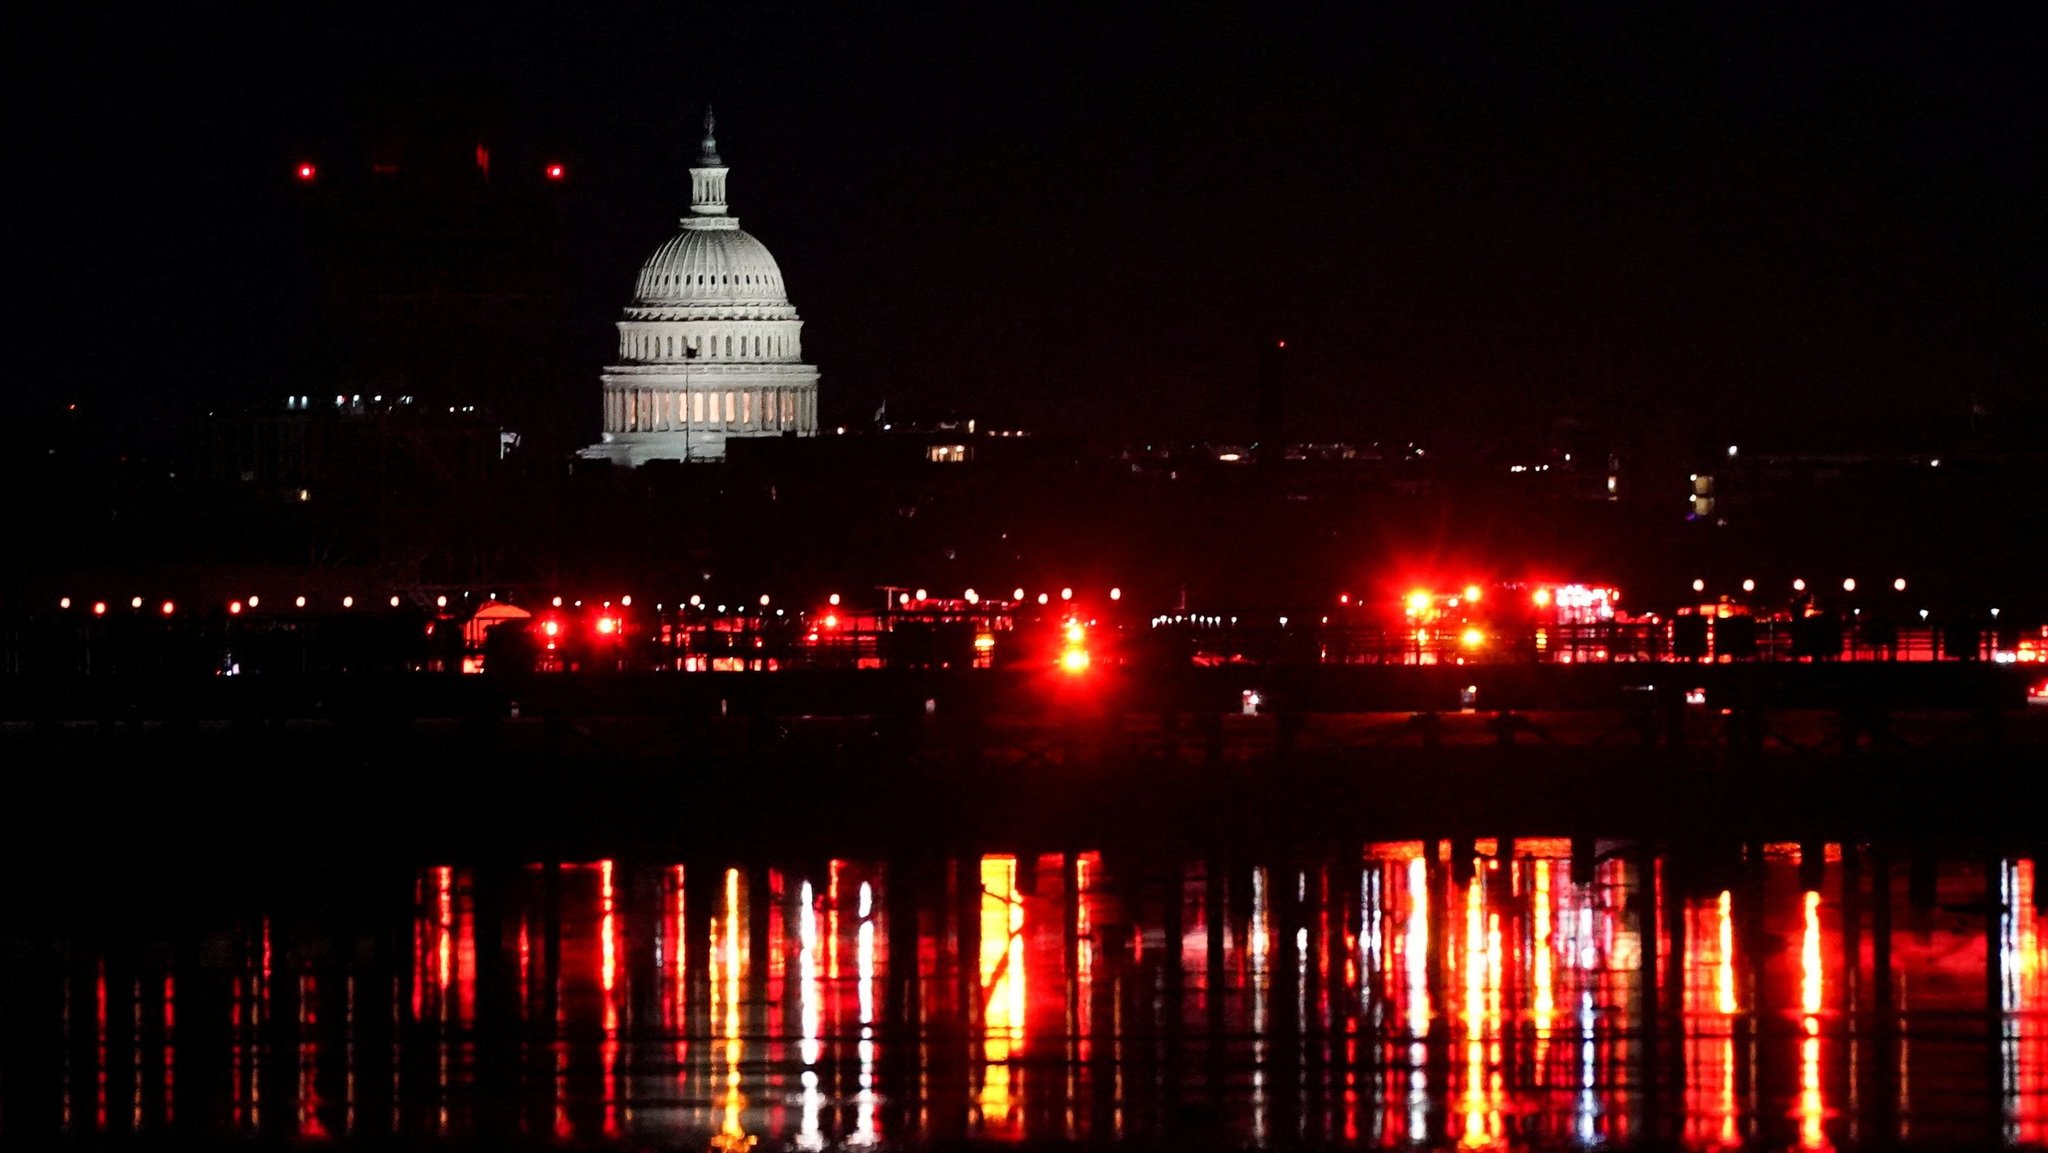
(710,349)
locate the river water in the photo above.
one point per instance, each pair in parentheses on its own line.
(1442,994)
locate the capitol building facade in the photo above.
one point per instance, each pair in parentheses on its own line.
(710,349)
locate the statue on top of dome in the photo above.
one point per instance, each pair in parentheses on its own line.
(708,157)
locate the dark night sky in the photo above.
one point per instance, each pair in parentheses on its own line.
(1078,219)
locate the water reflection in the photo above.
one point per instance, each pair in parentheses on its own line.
(1471,994)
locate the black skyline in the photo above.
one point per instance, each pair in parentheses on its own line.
(1083,221)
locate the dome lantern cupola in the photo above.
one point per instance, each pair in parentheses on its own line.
(707,180)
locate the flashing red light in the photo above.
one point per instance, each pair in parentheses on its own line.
(556,172)
(1471,592)
(1074,661)
(306,172)
(1418,601)
(1473,638)
(1541,597)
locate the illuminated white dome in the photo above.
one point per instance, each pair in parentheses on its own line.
(710,348)
(710,267)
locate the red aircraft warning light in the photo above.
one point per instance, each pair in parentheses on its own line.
(306,172)
(556,172)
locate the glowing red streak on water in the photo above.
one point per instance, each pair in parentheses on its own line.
(99,985)
(310,1125)
(444,945)
(170,1046)
(609,975)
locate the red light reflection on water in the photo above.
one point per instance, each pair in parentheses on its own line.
(1403,996)
(1812,1109)
(1002,986)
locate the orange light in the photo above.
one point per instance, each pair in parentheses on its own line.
(1074,660)
(99,608)
(1541,597)
(1471,592)
(1418,601)
(234,608)
(1473,638)
(607,625)
(1076,633)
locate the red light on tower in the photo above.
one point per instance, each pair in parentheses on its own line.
(306,172)
(556,172)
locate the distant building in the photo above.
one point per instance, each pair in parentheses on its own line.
(710,348)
